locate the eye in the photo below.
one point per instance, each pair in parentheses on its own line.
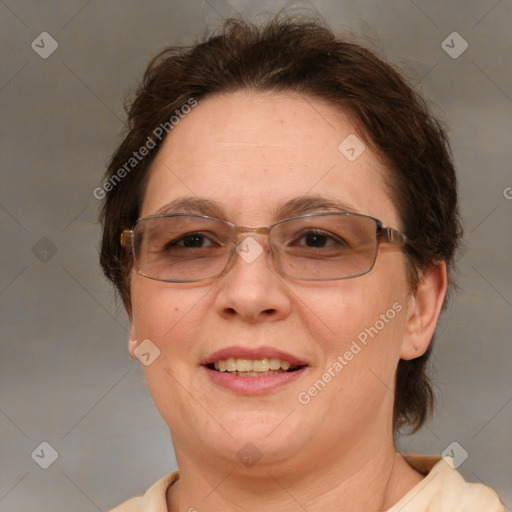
(319,239)
(190,241)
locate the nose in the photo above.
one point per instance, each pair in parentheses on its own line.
(251,289)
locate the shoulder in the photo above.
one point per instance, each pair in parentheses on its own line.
(444,490)
(153,500)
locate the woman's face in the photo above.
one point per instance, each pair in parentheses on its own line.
(251,153)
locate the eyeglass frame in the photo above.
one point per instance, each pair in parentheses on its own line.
(388,234)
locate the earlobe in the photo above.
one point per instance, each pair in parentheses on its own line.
(423,311)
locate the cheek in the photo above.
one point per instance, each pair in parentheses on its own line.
(353,311)
(167,316)
(171,318)
(357,334)
(357,327)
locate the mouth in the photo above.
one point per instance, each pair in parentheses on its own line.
(264,367)
(248,371)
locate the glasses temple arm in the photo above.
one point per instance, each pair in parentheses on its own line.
(126,237)
(393,236)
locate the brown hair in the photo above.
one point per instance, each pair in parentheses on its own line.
(302,56)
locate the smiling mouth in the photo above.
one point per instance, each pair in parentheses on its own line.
(265,367)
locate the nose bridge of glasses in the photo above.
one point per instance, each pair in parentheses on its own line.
(242,230)
(239,230)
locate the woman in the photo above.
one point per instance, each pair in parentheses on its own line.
(280,222)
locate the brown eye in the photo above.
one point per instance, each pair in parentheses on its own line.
(319,239)
(191,241)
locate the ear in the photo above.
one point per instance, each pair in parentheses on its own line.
(424,308)
(132,340)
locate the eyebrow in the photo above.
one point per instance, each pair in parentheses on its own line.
(296,206)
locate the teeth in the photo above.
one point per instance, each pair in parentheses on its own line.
(267,366)
(261,365)
(242,365)
(274,363)
(231,364)
(256,374)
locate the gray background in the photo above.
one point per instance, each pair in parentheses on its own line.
(66,377)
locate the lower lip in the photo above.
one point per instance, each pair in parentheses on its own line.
(253,385)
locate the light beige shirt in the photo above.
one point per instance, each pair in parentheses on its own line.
(442,490)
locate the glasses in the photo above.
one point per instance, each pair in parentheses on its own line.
(184,248)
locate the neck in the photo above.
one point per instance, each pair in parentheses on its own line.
(373,483)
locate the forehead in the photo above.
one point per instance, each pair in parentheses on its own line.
(252,152)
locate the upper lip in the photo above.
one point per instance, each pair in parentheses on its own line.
(252,353)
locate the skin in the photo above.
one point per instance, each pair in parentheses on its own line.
(250,152)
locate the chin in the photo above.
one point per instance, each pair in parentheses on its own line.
(263,435)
